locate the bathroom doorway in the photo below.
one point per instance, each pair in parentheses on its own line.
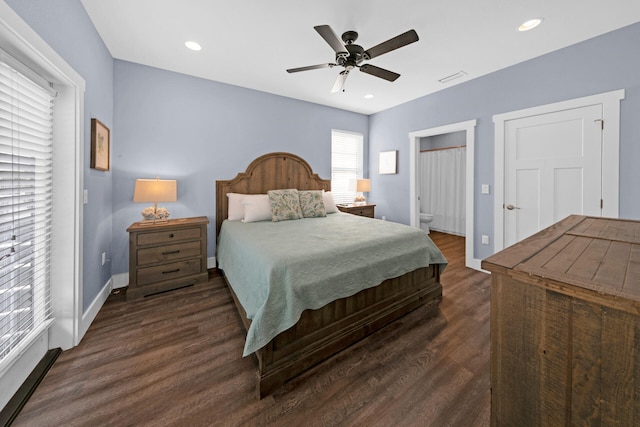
(415,138)
(442,184)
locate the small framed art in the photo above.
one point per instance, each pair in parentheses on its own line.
(387,161)
(100,145)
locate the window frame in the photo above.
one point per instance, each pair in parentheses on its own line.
(344,188)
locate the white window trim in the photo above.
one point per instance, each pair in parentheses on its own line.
(23,43)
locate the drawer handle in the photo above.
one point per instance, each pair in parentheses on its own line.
(171,252)
(171,271)
(171,236)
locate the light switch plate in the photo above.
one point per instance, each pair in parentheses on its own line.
(485,189)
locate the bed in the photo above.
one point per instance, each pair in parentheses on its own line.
(327,326)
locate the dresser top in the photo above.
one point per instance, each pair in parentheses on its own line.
(171,223)
(597,254)
(353,205)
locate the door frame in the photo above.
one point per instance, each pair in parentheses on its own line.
(414,206)
(22,42)
(610,102)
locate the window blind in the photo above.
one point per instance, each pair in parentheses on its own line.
(346,164)
(26,137)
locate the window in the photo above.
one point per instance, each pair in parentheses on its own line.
(26,129)
(346,164)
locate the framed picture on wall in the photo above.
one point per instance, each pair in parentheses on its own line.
(387,161)
(100,145)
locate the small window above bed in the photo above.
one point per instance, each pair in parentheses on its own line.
(346,164)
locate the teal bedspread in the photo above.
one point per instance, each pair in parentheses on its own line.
(280,269)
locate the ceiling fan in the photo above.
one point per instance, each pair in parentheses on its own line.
(350,55)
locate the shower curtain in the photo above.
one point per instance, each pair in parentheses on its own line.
(442,188)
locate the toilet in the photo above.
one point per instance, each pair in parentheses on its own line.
(425,219)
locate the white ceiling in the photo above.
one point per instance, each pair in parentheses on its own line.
(251,43)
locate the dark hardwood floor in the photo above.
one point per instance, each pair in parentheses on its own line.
(176,359)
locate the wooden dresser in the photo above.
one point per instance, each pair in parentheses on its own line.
(167,255)
(360,210)
(565,326)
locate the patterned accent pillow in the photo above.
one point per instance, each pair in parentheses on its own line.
(312,203)
(285,205)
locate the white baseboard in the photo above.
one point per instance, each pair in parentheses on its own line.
(476,264)
(120,280)
(94,308)
(211,262)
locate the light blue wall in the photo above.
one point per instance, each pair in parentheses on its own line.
(602,64)
(66,27)
(199,131)
(452,139)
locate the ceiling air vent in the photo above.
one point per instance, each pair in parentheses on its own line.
(454,76)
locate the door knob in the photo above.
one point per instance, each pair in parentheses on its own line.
(511,207)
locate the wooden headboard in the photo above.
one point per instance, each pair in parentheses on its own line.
(271,171)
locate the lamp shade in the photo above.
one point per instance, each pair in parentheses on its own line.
(155,190)
(363,185)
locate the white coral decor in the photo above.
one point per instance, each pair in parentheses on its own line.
(150,214)
(162,213)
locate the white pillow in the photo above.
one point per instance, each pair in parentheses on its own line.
(256,208)
(329,204)
(235,207)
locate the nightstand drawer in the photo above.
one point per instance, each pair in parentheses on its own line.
(363,211)
(168,236)
(168,253)
(169,271)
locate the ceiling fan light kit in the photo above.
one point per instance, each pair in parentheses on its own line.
(350,55)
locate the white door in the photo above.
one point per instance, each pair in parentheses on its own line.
(553,168)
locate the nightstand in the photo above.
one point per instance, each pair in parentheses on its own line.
(167,255)
(360,210)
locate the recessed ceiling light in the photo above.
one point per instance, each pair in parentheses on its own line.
(193,45)
(368,96)
(530,24)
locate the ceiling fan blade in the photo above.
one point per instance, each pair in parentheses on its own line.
(327,33)
(392,44)
(379,72)
(338,86)
(310,67)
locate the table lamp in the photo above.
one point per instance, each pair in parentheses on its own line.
(362,186)
(155,190)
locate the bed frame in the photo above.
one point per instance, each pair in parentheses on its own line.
(320,333)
